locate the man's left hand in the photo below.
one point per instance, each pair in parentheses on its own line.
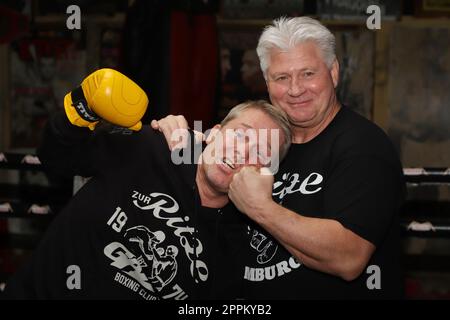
(251,191)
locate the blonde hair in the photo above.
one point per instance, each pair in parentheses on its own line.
(276,114)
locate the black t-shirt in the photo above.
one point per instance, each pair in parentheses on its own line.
(136,230)
(350,173)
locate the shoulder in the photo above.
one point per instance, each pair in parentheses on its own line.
(152,142)
(358,136)
(150,135)
(125,144)
(351,122)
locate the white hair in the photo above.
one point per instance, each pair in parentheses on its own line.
(286,33)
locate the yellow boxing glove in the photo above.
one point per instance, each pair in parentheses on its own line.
(109,95)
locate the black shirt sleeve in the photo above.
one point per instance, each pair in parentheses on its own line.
(363,195)
(68,150)
(65,148)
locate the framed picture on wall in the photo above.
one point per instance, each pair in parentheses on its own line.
(42,70)
(241,76)
(432,8)
(419,82)
(355,50)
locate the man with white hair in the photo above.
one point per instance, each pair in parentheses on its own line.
(327,225)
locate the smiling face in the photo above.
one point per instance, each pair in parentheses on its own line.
(300,83)
(245,140)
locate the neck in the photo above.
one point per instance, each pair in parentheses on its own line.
(305,134)
(208,196)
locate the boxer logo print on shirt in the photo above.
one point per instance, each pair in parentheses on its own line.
(164,207)
(264,244)
(145,258)
(267,248)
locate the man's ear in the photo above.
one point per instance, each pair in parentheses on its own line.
(335,73)
(211,135)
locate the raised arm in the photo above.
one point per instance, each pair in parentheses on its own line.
(70,145)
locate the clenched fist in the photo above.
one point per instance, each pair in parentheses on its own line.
(251,191)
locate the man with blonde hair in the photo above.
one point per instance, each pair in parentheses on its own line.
(144,227)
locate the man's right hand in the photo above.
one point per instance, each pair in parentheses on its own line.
(169,125)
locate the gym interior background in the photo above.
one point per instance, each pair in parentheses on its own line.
(197,58)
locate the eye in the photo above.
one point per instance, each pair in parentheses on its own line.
(263,157)
(281,78)
(238,134)
(308,74)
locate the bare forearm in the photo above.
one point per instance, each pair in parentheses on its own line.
(321,244)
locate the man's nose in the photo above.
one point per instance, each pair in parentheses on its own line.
(250,155)
(241,155)
(296,87)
